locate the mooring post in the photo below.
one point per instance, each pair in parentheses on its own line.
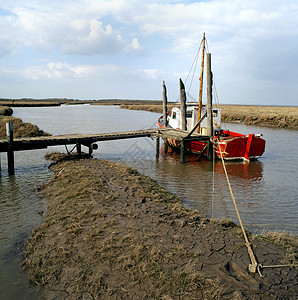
(182,152)
(209,108)
(157,146)
(90,147)
(183,104)
(10,154)
(79,150)
(165,106)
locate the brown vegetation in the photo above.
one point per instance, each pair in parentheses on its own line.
(111,233)
(28,102)
(5,111)
(58,101)
(270,116)
(20,129)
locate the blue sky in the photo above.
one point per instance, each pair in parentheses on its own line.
(98,49)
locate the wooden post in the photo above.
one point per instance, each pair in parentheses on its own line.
(79,150)
(90,150)
(182,152)
(183,104)
(157,146)
(209,108)
(10,154)
(209,97)
(164,102)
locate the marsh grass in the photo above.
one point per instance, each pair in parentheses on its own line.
(20,129)
(284,240)
(270,116)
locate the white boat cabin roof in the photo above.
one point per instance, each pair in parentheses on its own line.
(192,111)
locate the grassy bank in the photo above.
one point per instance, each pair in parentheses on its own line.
(111,233)
(5,111)
(28,102)
(269,116)
(20,128)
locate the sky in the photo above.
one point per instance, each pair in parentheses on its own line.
(124,49)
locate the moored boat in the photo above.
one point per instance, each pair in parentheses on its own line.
(226,144)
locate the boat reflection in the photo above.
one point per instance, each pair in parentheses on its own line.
(252,171)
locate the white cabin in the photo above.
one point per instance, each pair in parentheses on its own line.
(174,120)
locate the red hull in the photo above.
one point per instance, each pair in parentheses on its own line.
(229,145)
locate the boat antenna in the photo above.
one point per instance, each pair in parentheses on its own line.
(201,81)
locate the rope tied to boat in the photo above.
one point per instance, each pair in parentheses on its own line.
(254,266)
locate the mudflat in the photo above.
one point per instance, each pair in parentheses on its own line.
(112,233)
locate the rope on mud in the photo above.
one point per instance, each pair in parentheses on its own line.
(213,188)
(254,266)
(271,225)
(277,266)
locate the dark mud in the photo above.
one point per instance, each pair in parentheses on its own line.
(111,233)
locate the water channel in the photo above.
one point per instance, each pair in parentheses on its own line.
(265,190)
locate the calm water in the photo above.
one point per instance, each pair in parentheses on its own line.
(265,190)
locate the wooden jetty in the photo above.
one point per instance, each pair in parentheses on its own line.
(10,145)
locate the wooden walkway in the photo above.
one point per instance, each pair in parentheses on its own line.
(10,145)
(40,142)
(31,143)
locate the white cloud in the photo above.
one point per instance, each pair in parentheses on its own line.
(76,28)
(93,38)
(252,43)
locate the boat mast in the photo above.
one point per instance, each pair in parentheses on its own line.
(201,81)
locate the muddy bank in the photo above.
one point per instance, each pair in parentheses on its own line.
(111,233)
(20,128)
(5,111)
(269,116)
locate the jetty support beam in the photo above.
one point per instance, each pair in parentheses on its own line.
(157,146)
(10,153)
(209,108)
(165,106)
(183,152)
(79,149)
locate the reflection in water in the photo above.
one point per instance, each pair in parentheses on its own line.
(193,182)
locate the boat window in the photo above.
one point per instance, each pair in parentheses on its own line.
(215,112)
(189,114)
(174,115)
